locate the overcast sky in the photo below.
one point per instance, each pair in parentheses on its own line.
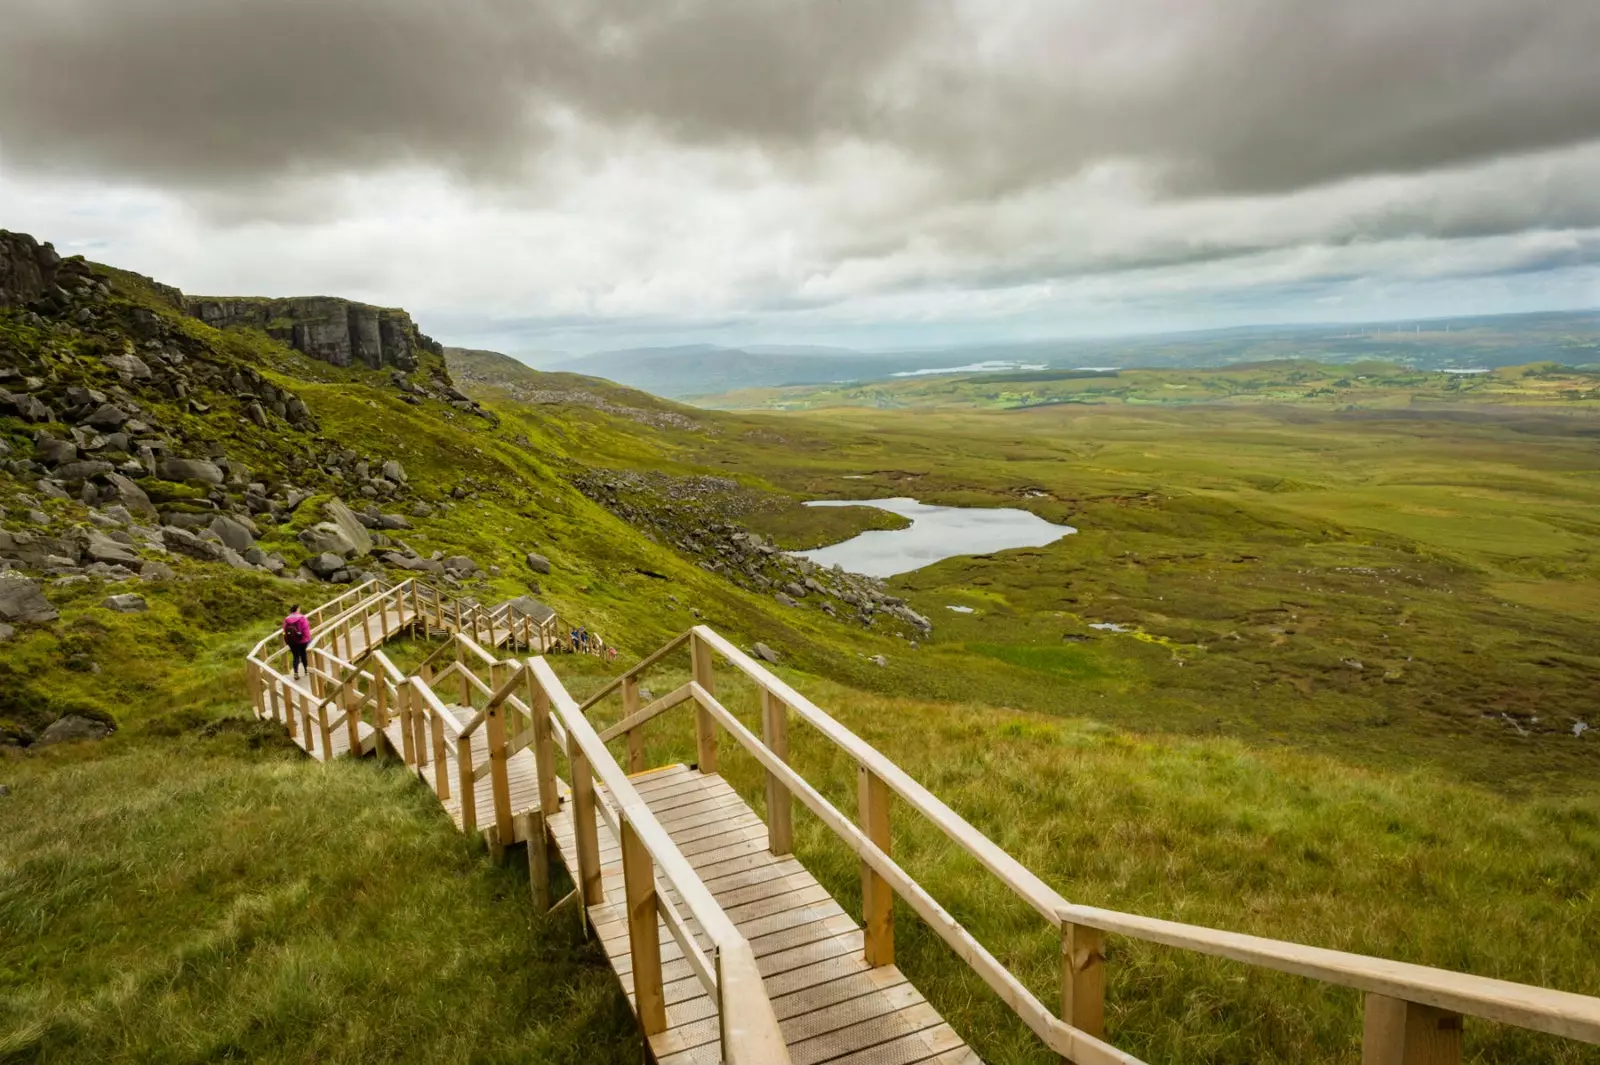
(585,174)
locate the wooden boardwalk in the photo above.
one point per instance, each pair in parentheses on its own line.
(830,1004)
(725,946)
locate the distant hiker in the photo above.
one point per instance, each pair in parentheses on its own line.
(574,641)
(583,638)
(297,634)
(611,654)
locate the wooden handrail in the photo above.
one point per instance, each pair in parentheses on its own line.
(750,1027)
(1078,1046)
(1043,898)
(656,708)
(644,664)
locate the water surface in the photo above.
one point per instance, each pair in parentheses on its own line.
(935,533)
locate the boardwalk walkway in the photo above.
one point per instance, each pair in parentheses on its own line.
(726,946)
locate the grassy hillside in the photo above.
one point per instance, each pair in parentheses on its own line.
(190,889)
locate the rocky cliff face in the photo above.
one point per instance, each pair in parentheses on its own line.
(327,329)
(27,270)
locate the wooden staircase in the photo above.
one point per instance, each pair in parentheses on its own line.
(726,946)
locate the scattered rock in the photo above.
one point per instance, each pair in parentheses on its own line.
(176,469)
(393,471)
(6,632)
(21,600)
(233,533)
(126,603)
(73,727)
(102,548)
(784,599)
(326,565)
(765,653)
(538,563)
(356,533)
(108,416)
(157,571)
(130,495)
(880,661)
(326,538)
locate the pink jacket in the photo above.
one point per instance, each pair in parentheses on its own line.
(298,627)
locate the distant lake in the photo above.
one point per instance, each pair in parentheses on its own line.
(935,533)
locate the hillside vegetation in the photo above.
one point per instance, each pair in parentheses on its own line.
(190,889)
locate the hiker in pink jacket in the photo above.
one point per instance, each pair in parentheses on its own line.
(297,634)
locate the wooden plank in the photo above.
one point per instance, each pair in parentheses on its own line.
(630,707)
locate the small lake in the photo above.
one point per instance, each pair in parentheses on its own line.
(935,533)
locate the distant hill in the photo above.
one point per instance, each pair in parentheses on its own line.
(1569,337)
(698,369)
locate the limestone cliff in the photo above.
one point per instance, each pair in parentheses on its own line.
(328,329)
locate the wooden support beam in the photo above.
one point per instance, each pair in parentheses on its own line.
(408,742)
(324,730)
(644,941)
(499,778)
(705,726)
(469,793)
(441,776)
(530,825)
(635,738)
(1397,1032)
(544,747)
(1083,978)
(583,826)
(780,803)
(877,899)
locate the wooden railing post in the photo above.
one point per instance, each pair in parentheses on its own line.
(877,898)
(530,825)
(635,737)
(780,803)
(466,685)
(705,726)
(499,778)
(583,825)
(441,776)
(380,710)
(353,703)
(408,743)
(1396,1032)
(366,628)
(1083,978)
(469,788)
(639,882)
(544,747)
(324,730)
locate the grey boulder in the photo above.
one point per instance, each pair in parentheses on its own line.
(233,533)
(21,600)
(345,518)
(126,603)
(538,563)
(73,727)
(176,469)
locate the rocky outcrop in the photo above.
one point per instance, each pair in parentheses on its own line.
(27,269)
(327,329)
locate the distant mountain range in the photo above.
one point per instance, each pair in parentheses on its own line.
(1571,337)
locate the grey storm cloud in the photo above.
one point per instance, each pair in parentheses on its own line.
(1231,97)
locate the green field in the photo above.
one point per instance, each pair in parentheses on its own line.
(1360,639)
